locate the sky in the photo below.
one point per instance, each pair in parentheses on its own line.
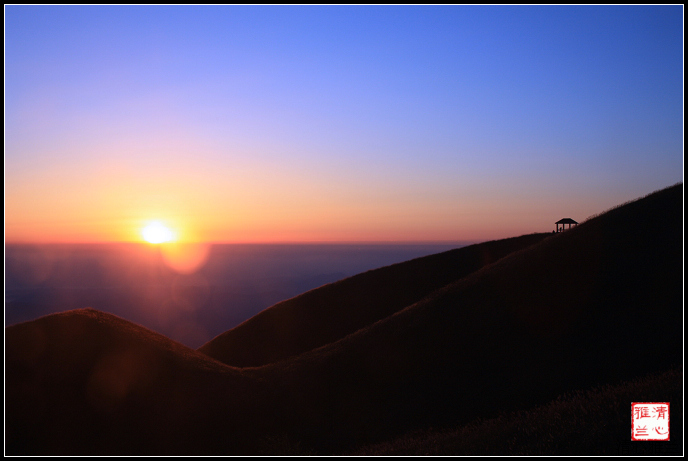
(256,124)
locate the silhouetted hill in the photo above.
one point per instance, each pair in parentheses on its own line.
(87,382)
(597,304)
(570,424)
(328,313)
(601,303)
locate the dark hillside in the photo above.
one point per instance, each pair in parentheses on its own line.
(575,423)
(328,313)
(87,382)
(600,303)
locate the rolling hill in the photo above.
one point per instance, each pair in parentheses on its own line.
(433,342)
(86,382)
(329,313)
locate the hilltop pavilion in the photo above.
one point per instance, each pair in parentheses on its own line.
(564,222)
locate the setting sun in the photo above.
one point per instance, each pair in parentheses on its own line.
(156,232)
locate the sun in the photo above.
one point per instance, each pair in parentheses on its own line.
(156,232)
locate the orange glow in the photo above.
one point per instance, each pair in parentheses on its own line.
(185,258)
(114,200)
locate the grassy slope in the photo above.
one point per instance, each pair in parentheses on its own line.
(328,313)
(600,303)
(87,382)
(567,313)
(579,422)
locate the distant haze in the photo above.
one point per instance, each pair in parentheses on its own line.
(334,124)
(134,281)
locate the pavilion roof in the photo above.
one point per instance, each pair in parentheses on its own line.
(566,221)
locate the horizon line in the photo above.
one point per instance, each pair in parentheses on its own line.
(277,242)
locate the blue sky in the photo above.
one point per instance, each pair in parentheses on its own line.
(344,123)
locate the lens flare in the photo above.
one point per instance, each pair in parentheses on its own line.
(185,258)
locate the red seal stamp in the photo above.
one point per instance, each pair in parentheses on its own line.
(650,421)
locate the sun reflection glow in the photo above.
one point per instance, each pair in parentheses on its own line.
(185,258)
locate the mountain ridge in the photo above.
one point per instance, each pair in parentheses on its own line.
(562,314)
(330,312)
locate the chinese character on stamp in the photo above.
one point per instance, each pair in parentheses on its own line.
(650,421)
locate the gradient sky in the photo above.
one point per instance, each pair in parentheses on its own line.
(350,123)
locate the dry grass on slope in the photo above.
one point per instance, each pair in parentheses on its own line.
(564,314)
(87,382)
(329,313)
(579,423)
